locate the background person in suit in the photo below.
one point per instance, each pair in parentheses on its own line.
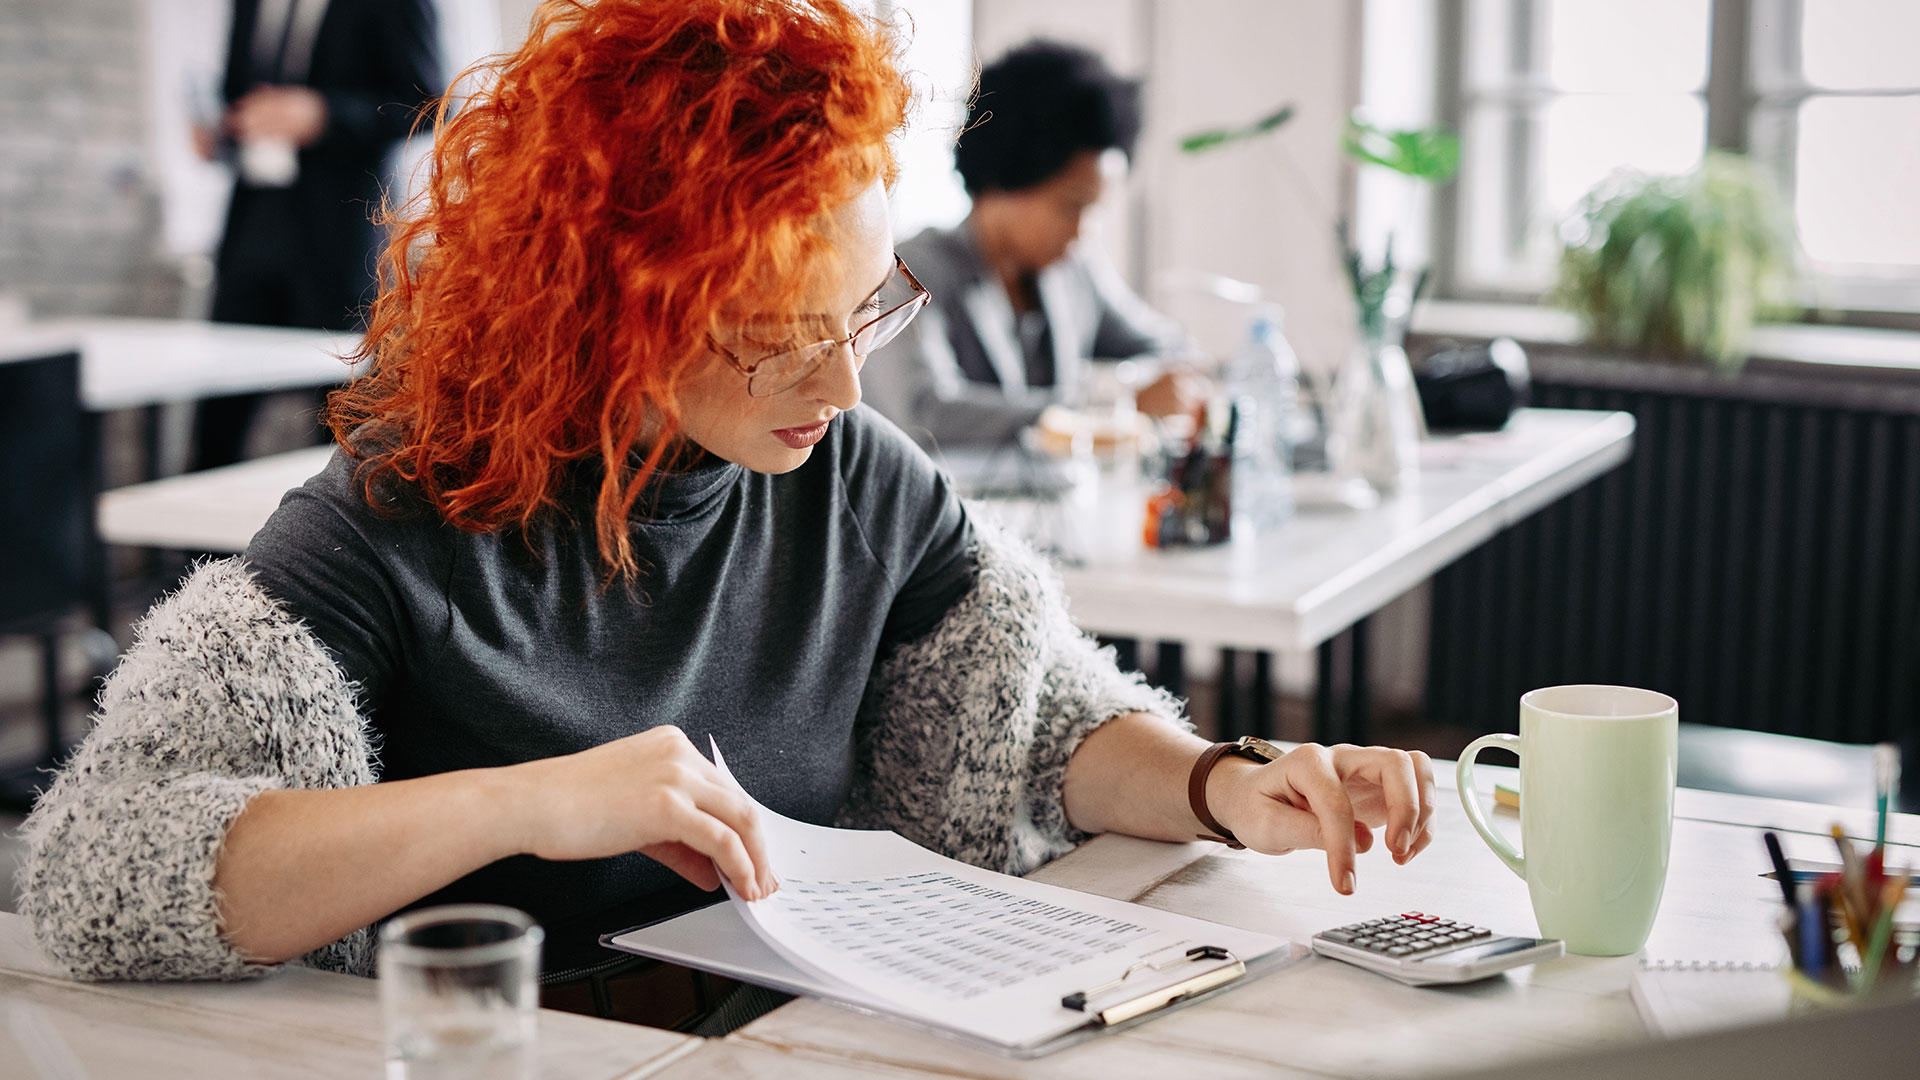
(317,92)
(1019,310)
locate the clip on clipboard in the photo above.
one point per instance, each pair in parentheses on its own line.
(1160,997)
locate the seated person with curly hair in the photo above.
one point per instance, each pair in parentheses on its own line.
(606,494)
(1020,309)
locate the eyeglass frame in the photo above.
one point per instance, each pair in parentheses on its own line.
(921,297)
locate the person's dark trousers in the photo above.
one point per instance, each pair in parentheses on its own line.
(263,281)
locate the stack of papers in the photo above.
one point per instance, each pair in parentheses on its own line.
(876,922)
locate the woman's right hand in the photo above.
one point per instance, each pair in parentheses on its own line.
(652,793)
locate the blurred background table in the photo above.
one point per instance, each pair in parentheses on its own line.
(1296,588)
(62,379)
(1326,571)
(128,363)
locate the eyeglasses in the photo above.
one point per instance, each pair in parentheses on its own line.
(788,368)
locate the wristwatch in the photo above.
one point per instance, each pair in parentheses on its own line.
(1246,746)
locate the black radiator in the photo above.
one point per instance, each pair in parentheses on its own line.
(1758,558)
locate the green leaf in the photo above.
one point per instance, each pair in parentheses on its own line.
(1430,154)
(1214,137)
(1679,266)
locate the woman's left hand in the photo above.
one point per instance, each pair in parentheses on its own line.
(1328,797)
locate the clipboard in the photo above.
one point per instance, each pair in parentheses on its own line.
(716,939)
(875,922)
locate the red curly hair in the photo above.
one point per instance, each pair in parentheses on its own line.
(635,166)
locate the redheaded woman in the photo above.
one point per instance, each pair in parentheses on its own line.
(606,495)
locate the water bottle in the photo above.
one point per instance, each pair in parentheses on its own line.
(1261,382)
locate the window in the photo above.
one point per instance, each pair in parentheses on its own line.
(1551,96)
(939,66)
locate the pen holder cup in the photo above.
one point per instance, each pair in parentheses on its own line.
(1193,503)
(1807,996)
(1899,976)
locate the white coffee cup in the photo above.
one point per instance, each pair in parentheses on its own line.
(1597,771)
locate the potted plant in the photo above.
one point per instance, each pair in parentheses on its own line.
(1371,409)
(1679,267)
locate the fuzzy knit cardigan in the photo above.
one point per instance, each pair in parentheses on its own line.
(961,745)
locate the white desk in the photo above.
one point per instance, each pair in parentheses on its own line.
(1321,1018)
(293,1023)
(1316,1019)
(1295,588)
(1292,589)
(1324,570)
(131,363)
(211,510)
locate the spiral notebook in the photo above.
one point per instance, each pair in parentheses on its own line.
(1688,997)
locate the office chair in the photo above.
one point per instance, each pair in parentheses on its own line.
(47,486)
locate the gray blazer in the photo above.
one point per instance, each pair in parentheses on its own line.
(957,376)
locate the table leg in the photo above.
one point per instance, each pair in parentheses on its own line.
(18,784)
(1323,693)
(1226,697)
(1261,708)
(51,700)
(150,443)
(1169,668)
(1359,690)
(1328,725)
(99,574)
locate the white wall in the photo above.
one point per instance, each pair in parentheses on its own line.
(1119,31)
(1237,211)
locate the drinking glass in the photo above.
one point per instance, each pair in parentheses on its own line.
(457,992)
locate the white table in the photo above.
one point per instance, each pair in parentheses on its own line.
(1292,589)
(1324,570)
(1295,588)
(293,1023)
(128,363)
(1316,1019)
(211,510)
(133,363)
(1320,1018)
(142,364)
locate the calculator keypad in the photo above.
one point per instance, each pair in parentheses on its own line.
(1413,933)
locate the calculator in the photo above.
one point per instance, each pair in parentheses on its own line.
(1420,949)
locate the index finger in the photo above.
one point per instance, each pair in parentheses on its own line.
(1325,794)
(735,809)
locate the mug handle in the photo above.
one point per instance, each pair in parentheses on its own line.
(1463,779)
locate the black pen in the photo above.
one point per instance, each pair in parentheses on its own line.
(1780,870)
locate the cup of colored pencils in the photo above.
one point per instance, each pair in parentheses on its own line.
(1841,930)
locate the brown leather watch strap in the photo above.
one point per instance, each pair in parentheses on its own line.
(1197,793)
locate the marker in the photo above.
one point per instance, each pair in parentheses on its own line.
(1886,782)
(1813,951)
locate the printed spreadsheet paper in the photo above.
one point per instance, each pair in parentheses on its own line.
(876,921)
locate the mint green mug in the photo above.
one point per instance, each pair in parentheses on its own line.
(1597,766)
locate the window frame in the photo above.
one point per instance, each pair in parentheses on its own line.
(1753,91)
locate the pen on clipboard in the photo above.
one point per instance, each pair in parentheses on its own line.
(1160,997)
